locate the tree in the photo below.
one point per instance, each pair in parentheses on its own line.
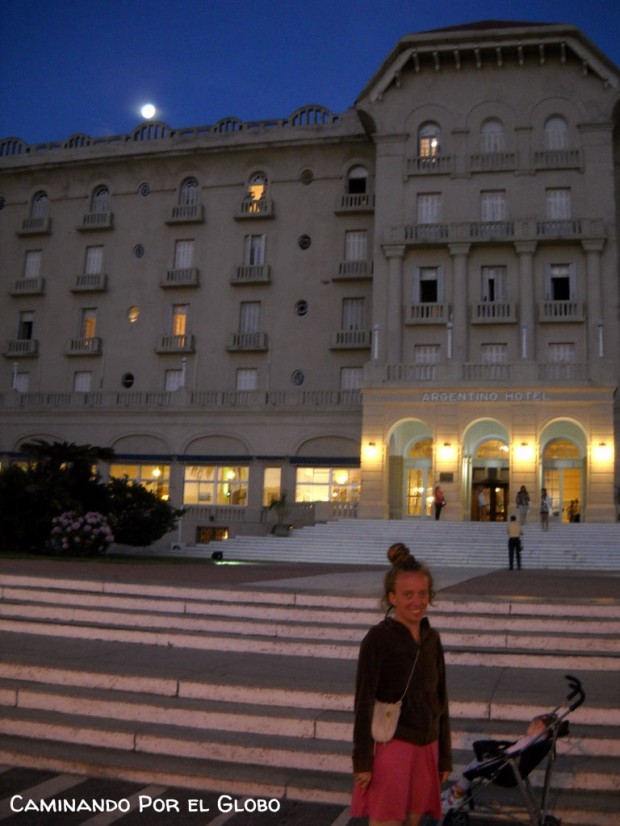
(137,516)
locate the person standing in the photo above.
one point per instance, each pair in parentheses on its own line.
(545,509)
(439,500)
(482,504)
(399,781)
(523,504)
(514,542)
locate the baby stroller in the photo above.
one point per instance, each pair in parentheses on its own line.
(512,770)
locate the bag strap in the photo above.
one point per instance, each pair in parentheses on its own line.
(410,676)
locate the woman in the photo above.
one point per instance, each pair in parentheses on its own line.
(399,781)
(545,509)
(523,504)
(439,501)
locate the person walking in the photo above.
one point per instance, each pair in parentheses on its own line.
(545,509)
(523,504)
(397,782)
(514,542)
(439,500)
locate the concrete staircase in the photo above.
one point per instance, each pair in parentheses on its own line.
(460,544)
(248,691)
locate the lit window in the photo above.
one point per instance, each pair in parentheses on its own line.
(178,322)
(215,485)
(272,485)
(327,484)
(88,322)
(155,478)
(429,140)
(256,191)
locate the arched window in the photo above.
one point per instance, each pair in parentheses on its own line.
(556,133)
(357,180)
(188,192)
(257,187)
(429,140)
(100,201)
(39,205)
(492,136)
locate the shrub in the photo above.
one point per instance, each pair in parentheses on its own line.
(76,535)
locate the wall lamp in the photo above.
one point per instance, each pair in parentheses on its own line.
(371,451)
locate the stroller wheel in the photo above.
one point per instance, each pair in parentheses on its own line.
(459,818)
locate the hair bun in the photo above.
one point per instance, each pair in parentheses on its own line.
(398,553)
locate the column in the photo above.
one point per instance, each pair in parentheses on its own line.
(596,331)
(527,306)
(390,336)
(460,301)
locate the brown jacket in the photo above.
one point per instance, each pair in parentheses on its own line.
(386,656)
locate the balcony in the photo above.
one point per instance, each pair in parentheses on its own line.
(185,277)
(175,344)
(90,282)
(22,348)
(247,342)
(563,371)
(354,271)
(251,274)
(186,214)
(494,312)
(558,229)
(429,165)
(411,373)
(359,202)
(559,311)
(427,313)
(492,230)
(486,371)
(28,286)
(558,159)
(351,340)
(492,161)
(35,226)
(250,208)
(90,346)
(96,221)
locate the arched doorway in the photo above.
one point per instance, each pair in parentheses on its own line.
(418,479)
(563,476)
(486,470)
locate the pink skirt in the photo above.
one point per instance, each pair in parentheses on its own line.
(405,778)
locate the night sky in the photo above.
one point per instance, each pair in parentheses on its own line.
(87,66)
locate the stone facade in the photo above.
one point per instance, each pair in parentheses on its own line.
(346,308)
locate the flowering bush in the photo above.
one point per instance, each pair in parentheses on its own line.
(80,535)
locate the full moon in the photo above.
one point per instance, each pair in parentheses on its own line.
(148,111)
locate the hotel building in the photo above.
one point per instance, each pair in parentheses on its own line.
(347,308)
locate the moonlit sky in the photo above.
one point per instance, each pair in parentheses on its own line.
(88,66)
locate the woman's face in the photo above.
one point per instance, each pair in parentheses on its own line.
(410,597)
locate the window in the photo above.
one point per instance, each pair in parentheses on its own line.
(492,136)
(426,354)
(178,321)
(272,485)
(353,314)
(560,282)
(20,382)
(188,192)
(174,380)
(93,264)
(82,381)
(215,485)
(494,353)
(427,285)
(39,205)
(25,325)
(556,133)
(429,136)
(254,250)
(88,322)
(249,317)
(100,202)
(184,254)
(257,190)
(356,245)
(357,181)
(561,351)
(351,378)
(154,477)
(493,205)
(558,204)
(247,378)
(327,484)
(32,264)
(493,284)
(429,208)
